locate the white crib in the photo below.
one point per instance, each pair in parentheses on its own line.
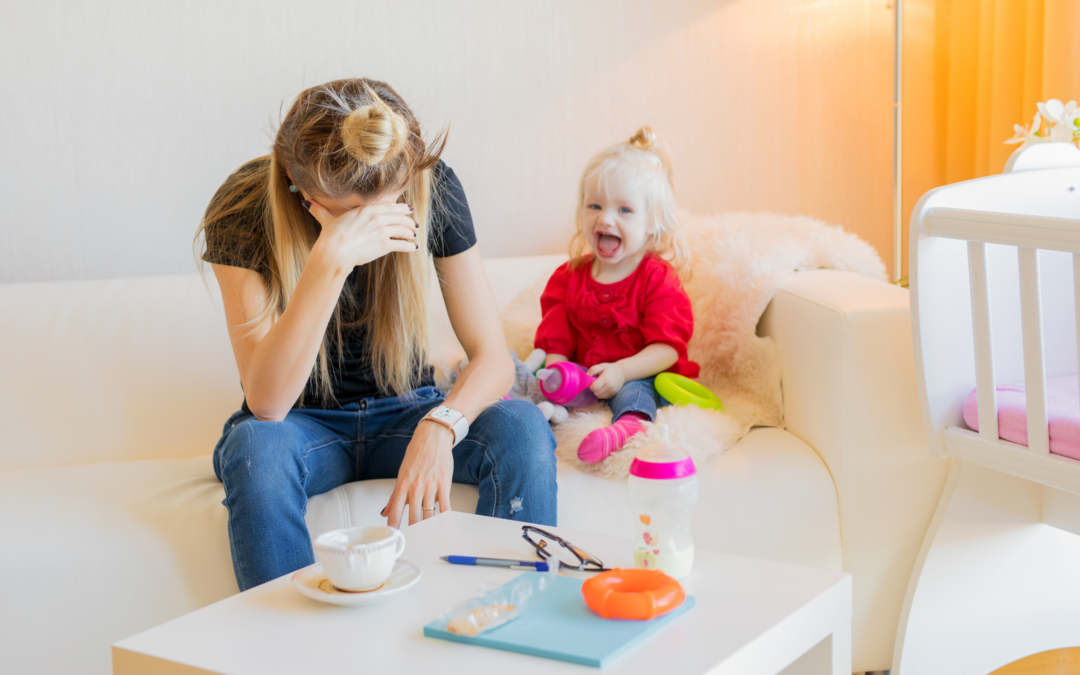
(995,281)
(993,300)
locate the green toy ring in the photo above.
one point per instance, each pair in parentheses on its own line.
(681,390)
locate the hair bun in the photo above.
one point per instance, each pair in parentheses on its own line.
(374,133)
(648,140)
(644,138)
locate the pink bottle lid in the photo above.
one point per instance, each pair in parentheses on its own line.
(663,460)
(663,470)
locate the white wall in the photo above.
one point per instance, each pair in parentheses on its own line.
(118,119)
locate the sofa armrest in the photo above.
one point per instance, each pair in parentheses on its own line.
(850,393)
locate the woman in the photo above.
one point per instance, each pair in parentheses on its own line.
(322,254)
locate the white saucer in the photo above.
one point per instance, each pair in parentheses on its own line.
(312,582)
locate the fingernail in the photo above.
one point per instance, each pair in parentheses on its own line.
(410,209)
(306,204)
(416,225)
(417,247)
(414,235)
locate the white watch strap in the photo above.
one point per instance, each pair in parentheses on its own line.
(443,415)
(461,429)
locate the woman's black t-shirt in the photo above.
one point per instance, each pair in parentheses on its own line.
(240,242)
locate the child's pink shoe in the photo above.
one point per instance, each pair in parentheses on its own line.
(602,442)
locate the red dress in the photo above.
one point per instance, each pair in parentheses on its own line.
(590,322)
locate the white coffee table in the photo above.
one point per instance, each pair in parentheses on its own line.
(752,616)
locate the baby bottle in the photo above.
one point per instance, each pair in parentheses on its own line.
(663,490)
(567,384)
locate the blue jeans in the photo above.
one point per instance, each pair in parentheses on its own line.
(637,396)
(270,469)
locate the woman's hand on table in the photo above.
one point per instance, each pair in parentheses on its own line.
(425,476)
(359,236)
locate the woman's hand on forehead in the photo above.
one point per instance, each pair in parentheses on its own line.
(338,207)
(362,234)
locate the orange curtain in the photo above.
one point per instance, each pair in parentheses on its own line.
(973,69)
(987,76)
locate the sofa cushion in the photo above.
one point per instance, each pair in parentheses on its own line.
(769,496)
(121,547)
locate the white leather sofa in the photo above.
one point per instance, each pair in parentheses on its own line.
(113,394)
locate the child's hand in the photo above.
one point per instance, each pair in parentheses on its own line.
(609,379)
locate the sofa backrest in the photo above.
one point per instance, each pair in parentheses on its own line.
(140,368)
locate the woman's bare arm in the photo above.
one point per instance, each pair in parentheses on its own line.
(471,307)
(428,467)
(275,362)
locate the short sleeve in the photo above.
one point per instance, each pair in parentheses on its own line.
(554,334)
(452,229)
(234,242)
(668,317)
(236,239)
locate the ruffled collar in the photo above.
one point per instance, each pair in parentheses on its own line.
(616,286)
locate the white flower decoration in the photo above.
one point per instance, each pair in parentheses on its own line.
(1062,117)
(1062,125)
(1052,109)
(1070,122)
(1026,135)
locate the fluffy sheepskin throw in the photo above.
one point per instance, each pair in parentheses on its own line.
(739,262)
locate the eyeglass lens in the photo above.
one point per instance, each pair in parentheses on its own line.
(563,554)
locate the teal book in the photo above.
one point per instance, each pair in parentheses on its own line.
(560,626)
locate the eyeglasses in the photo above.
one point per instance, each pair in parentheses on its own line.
(566,554)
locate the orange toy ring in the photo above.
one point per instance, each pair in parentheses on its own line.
(632,594)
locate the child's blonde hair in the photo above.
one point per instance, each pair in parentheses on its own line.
(646,159)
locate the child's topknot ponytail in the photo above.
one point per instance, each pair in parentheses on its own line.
(646,139)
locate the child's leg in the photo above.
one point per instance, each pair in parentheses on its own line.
(637,396)
(636,402)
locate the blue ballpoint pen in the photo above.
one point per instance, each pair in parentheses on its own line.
(531,565)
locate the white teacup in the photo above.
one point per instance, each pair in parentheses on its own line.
(359,558)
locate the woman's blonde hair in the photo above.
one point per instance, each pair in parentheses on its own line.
(345,138)
(644,158)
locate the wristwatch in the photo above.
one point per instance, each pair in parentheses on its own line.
(452,420)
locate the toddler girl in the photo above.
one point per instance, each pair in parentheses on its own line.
(617,306)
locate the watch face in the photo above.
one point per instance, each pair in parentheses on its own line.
(444,414)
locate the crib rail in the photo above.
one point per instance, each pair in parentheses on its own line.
(1051,233)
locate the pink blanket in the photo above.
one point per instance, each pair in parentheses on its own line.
(1063,404)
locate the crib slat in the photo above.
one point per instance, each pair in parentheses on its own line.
(984,352)
(1038,431)
(1076,300)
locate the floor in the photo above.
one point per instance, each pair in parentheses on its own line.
(1053,662)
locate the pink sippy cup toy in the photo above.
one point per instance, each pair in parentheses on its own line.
(567,384)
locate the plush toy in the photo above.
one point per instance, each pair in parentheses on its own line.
(526,386)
